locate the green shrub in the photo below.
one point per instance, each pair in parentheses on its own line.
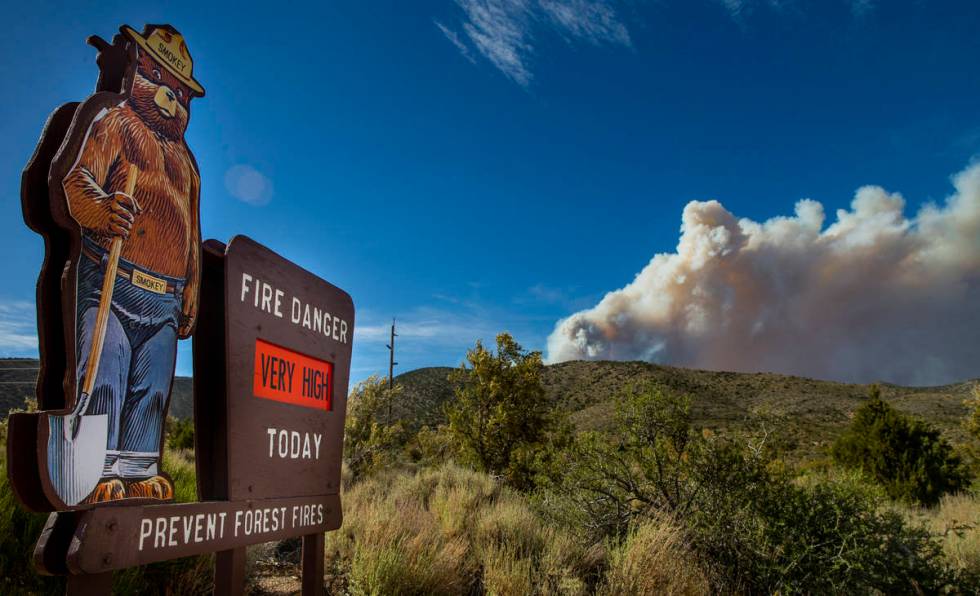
(371,441)
(906,456)
(601,482)
(763,532)
(739,509)
(432,446)
(499,416)
(180,433)
(971,424)
(972,421)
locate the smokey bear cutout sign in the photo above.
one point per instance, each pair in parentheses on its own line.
(114,191)
(121,219)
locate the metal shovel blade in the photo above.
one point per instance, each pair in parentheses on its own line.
(75,464)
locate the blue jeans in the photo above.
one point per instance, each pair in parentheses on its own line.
(136,369)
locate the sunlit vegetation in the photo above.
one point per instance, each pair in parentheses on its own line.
(642,482)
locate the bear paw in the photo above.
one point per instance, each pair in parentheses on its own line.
(156,487)
(110,489)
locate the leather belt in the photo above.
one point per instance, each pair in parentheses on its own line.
(140,279)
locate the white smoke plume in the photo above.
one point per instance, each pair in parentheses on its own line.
(874,296)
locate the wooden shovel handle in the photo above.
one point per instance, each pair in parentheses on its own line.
(105,301)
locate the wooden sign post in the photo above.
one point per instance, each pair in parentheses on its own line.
(114,190)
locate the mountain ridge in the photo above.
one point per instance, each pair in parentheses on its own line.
(809,413)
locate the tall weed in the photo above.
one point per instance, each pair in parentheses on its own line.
(654,559)
(449,530)
(956,522)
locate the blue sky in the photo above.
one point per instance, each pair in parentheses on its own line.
(472,167)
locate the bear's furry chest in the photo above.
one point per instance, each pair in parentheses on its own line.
(166,179)
(165,169)
(163,179)
(164,165)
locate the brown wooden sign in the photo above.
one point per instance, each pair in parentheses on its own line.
(113,189)
(288,360)
(271,368)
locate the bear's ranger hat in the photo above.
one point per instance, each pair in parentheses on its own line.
(167,47)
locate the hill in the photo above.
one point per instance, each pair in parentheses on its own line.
(806,415)
(18,375)
(425,390)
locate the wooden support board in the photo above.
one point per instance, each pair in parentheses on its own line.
(110,538)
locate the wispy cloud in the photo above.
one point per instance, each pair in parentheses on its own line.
(502,31)
(547,294)
(439,335)
(595,22)
(18,335)
(431,327)
(454,39)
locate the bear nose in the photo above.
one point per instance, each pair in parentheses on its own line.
(170,95)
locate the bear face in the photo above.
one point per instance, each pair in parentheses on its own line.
(160,99)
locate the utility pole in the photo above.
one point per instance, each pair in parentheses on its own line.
(391,366)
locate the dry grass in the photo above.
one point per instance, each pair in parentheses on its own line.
(450,531)
(654,559)
(506,571)
(957,521)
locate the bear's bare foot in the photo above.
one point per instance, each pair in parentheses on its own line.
(110,489)
(156,487)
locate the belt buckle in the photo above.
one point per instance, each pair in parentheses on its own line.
(148,282)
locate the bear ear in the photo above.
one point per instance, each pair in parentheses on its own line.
(113,61)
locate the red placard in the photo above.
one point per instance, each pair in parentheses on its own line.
(290,377)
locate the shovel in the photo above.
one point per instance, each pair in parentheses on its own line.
(77,441)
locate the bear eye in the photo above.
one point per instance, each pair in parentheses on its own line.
(180,94)
(156,74)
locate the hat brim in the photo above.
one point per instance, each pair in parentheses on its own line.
(141,41)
